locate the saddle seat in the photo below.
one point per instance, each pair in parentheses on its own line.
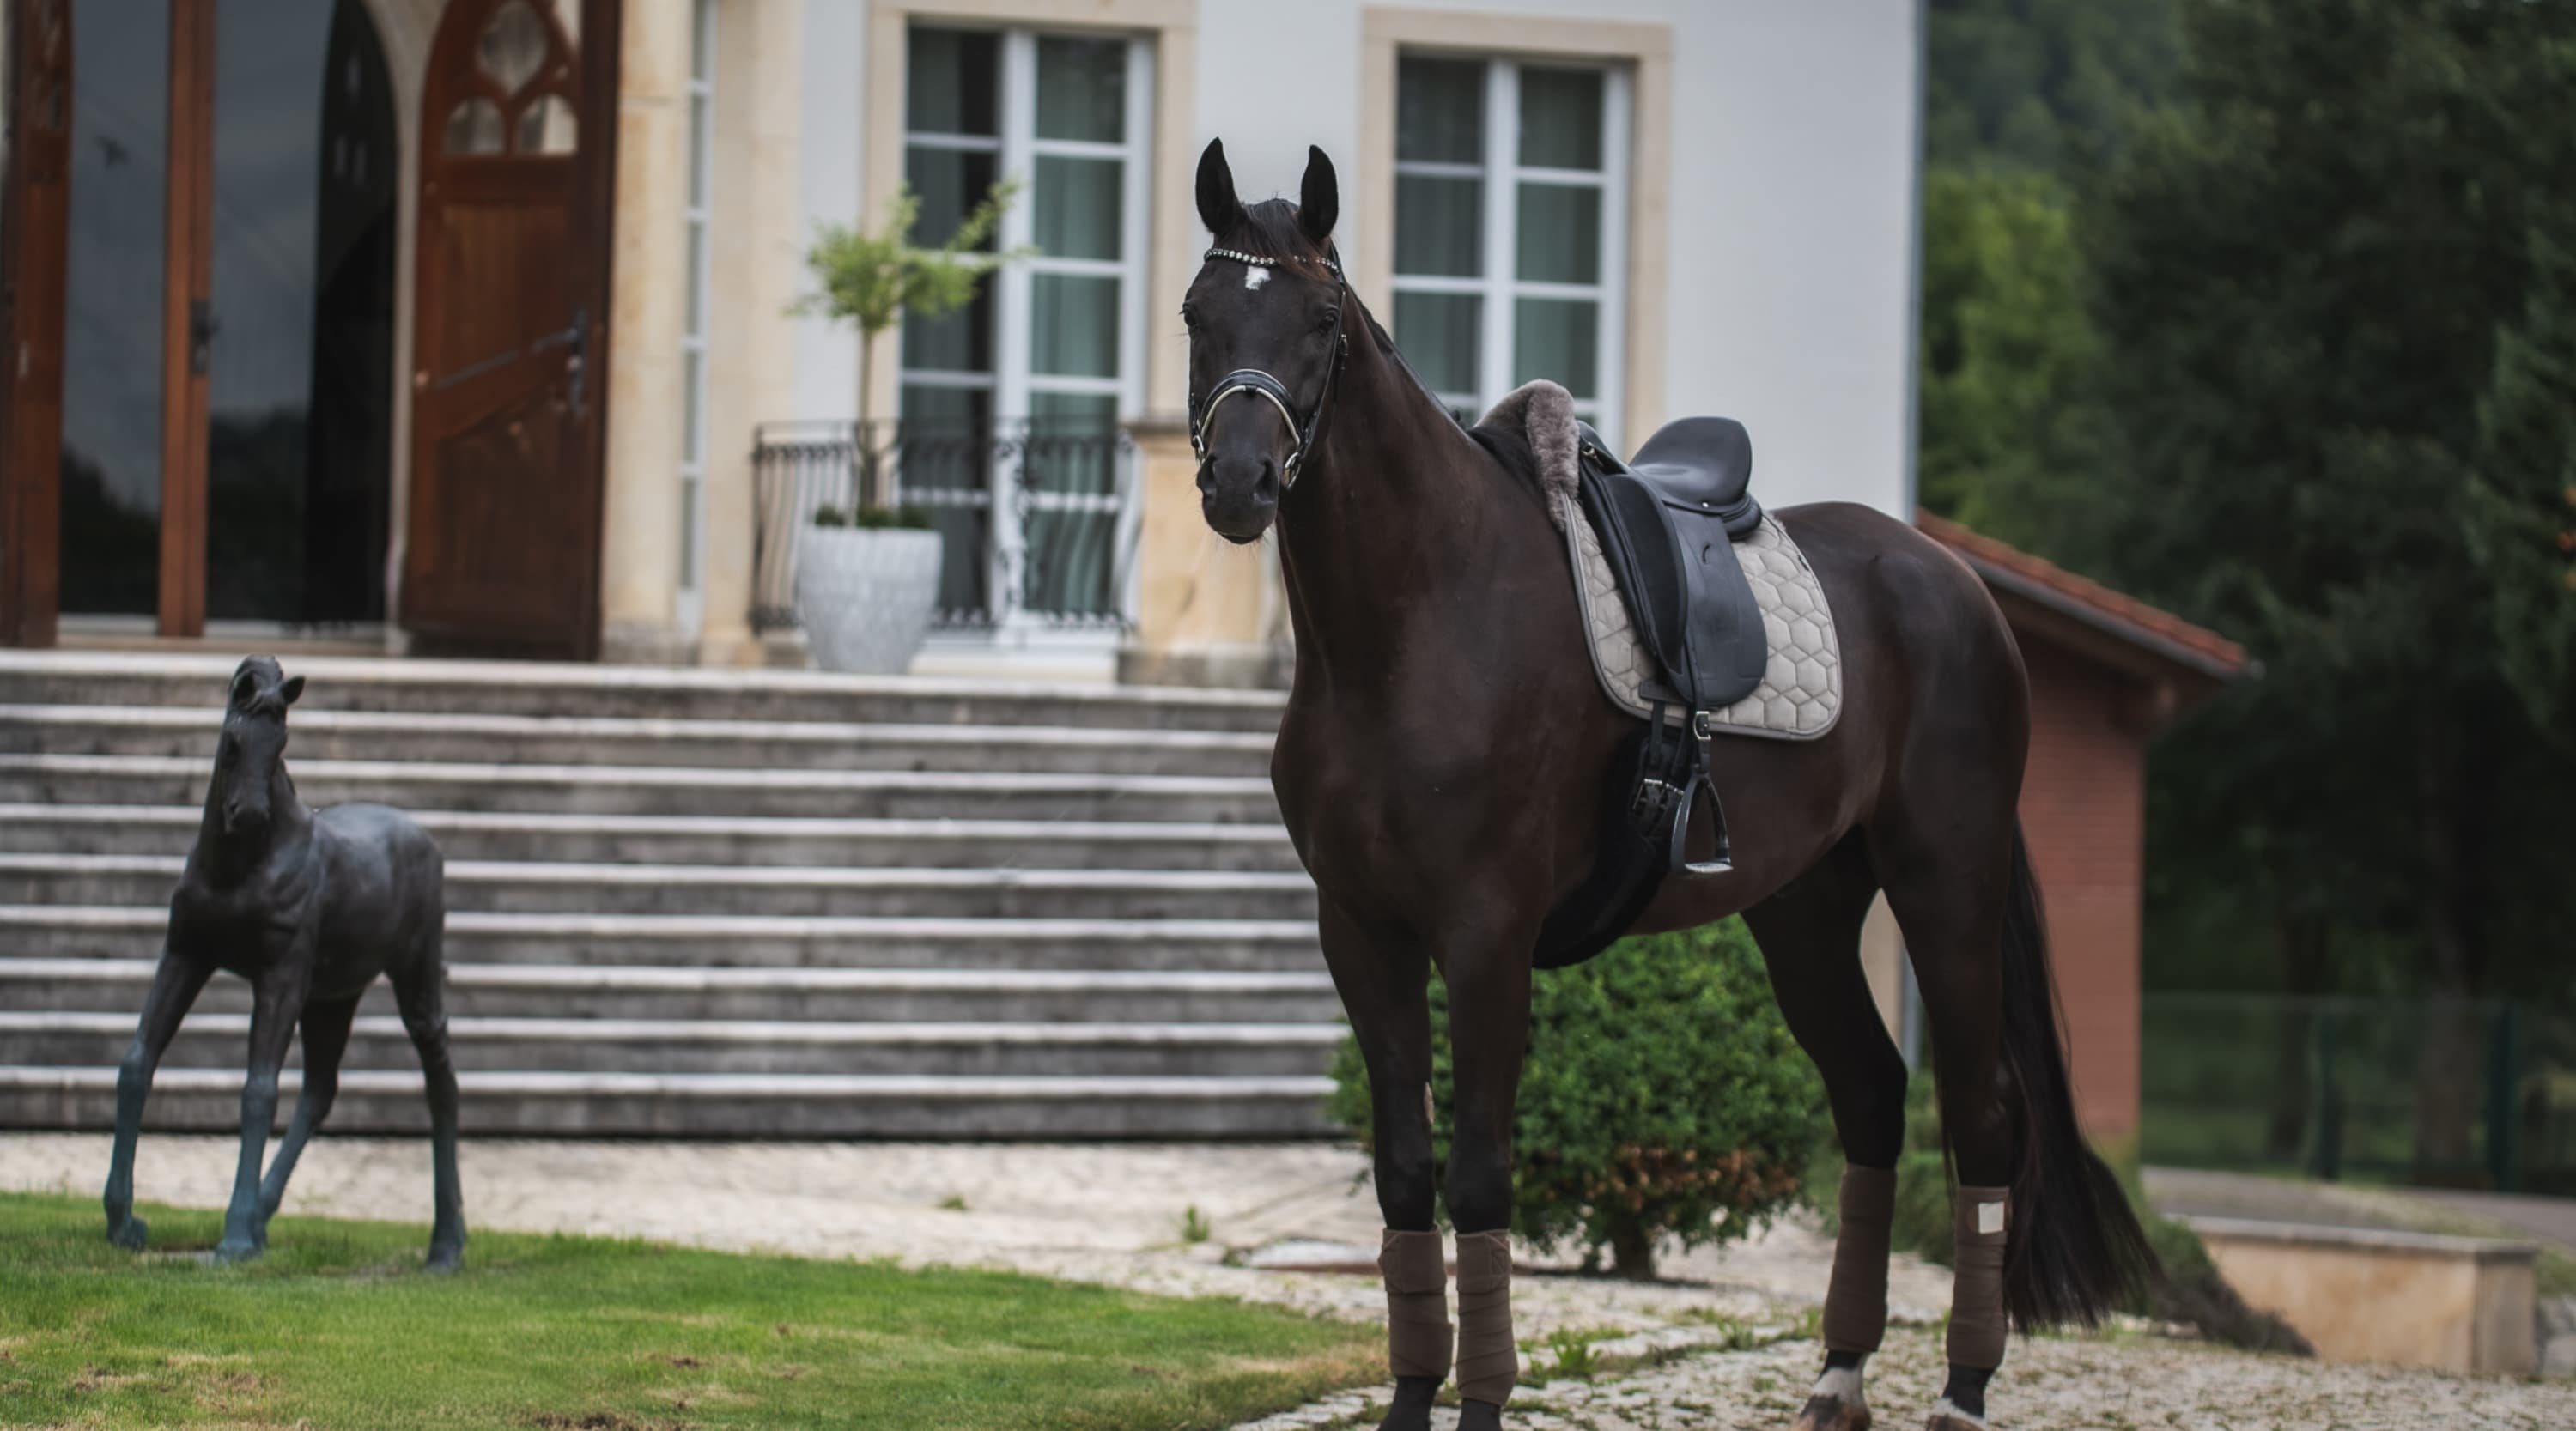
(1703,462)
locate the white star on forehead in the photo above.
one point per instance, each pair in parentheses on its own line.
(1253,278)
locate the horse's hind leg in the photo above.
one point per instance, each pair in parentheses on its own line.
(1948,891)
(1810,938)
(420,991)
(326,1038)
(175,986)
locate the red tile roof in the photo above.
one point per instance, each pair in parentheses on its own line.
(2009,568)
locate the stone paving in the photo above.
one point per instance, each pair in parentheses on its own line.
(1716,1344)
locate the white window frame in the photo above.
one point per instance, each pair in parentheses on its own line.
(1498,285)
(1012,381)
(689,601)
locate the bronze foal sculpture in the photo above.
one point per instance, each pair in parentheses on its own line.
(1443,765)
(309,906)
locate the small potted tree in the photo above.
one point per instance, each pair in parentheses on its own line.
(867,575)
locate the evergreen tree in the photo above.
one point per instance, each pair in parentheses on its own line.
(2521,515)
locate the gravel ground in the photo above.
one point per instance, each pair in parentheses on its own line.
(1714,1345)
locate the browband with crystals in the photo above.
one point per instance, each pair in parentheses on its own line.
(1258,261)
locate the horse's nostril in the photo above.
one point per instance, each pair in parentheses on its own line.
(1266,486)
(1207,478)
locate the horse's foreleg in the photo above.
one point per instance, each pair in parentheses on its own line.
(175,986)
(1382,984)
(326,1038)
(1489,1000)
(1810,938)
(279,1004)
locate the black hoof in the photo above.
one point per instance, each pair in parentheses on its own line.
(445,1258)
(129,1234)
(1479,1416)
(237,1249)
(1411,1409)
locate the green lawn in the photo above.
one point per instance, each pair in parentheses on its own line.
(338,1328)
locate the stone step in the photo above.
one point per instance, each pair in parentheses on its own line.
(740,941)
(662,790)
(514,887)
(662,992)
(120,678)
(89,1039)
(712,840)
(711,1105)
(188,733)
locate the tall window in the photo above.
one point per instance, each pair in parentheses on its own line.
(1053,344)
(1511,229)
(693,321)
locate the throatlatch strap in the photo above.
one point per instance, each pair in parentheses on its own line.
(1417,1303)
(1489,1365)
(1856,1298)
(1977,1291)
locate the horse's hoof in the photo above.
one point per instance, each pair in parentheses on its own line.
(1411,1409)
(1479,1416)
(129,1234)
(237,1249)
(445,1258)
(1831,1413)
(1946,1417)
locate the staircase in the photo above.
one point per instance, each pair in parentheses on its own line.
(702,902)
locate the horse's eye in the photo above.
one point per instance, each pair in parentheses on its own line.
(1189,316)
(1325,320)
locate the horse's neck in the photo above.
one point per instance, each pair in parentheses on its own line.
(1388,523)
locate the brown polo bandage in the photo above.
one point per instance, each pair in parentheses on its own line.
(1977,1289)
(1489,1364)
(1417,1303)
(1856,1298)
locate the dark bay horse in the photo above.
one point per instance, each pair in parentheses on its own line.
(309,907)
(1442,767)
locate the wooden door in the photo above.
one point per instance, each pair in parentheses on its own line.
(35,217)
(508,369)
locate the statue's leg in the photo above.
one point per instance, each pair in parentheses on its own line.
(279,1003)
(1383,987)
(326,1038)
(175,986)
(420,990)
(1810,938)
(1489,997)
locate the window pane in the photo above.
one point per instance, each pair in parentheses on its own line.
(693,393)
(694,322)
(1440,111)
(702,40)
(1073,326)
(947,449)
(1560,118)
(697,151)
(111,466)
(1557,338)
(1078,207)
(957,342)
(949,183)
(948,82)
(1439,226)
(1560,233)
(1082,89)
(1440,335)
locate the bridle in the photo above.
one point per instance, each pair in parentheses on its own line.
(1254,380)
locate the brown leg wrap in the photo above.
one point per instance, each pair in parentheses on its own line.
(1856,1298)
(1977,1289)
(1488,1363)
(1417,1303)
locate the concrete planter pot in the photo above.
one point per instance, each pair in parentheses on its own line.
(865,595)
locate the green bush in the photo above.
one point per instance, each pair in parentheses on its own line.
(1662,1095)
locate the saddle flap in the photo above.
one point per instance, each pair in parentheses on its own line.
(1677,571)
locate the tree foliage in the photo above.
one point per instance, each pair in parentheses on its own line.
(2521,511)
(1662,1096)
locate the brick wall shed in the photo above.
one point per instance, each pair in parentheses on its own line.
(2106,673)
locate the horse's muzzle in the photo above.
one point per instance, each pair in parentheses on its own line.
(1239,496)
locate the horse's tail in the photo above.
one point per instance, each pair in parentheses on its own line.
(2073,1247)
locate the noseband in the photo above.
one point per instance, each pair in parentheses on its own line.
(1254,380)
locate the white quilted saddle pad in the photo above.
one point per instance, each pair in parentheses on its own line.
(1801,694)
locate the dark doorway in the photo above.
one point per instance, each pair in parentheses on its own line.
(300,432)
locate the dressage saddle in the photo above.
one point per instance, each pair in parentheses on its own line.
(1668,522)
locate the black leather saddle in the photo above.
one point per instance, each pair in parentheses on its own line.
(1668,524)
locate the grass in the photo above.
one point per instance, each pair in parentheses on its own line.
(338,1327)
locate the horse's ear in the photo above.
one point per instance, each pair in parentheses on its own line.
(1319,198)
(290,688)
(1219,209)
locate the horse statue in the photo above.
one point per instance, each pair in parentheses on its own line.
(1442,765)
(309,906)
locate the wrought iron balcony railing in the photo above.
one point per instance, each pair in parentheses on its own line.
(1039,519)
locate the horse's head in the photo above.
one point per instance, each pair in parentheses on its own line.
(253,746)
(1265,321)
